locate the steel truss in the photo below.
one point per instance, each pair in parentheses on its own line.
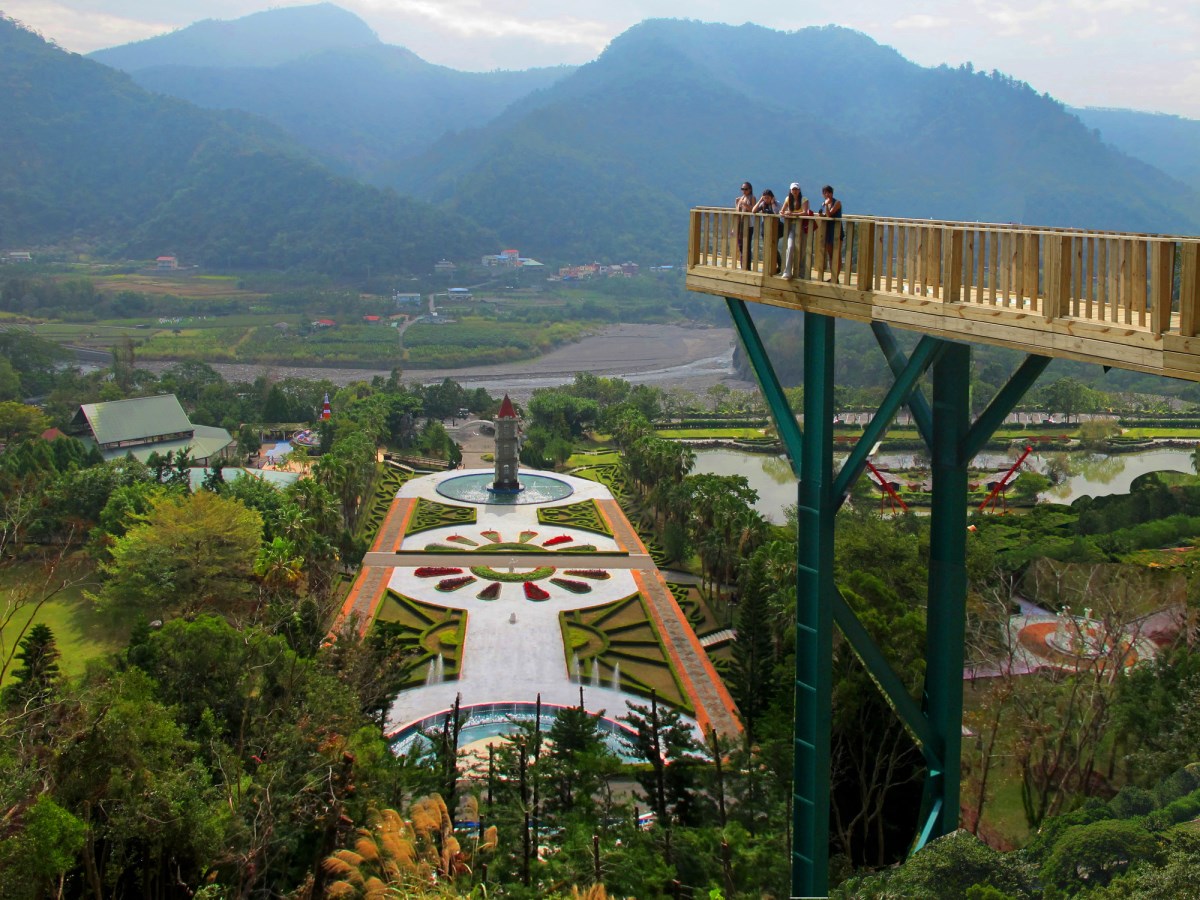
(934,721)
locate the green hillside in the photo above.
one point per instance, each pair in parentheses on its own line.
(674,114)
(1172,143)
(95,162)
(358,108)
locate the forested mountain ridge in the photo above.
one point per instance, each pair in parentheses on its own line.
(94,160)
(322,75)
(674,114)
(360,109)
(1171,143)
(261,39)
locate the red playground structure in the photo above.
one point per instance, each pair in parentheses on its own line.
(1002,485)
(888,498)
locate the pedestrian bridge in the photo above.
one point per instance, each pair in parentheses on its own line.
(1124,300)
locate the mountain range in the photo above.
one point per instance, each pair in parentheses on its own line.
(322,75)
(602,161)
(96,162)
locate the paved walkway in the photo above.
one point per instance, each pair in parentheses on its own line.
(714,706)
(515,559)
(364,598)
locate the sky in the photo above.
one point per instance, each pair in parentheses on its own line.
(1139,54)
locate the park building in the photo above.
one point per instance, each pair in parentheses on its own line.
(146,425)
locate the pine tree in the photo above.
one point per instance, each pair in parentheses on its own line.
(753,655)
(665,741)
(34,679)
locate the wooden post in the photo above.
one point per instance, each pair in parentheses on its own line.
(1189,288)
(1137,279)
(866,256)
(770,245)
(936,276)
(952,266)
(1058,275)
(1162,276)
(694,238)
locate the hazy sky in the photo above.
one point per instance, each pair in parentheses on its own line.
(1142,54)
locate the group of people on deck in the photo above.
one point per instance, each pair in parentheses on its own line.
(792,213)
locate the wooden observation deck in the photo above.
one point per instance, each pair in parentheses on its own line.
(1126,300)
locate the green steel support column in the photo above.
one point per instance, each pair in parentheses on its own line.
(946,612)
(814,618)
(772,390)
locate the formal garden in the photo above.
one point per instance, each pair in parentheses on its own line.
(618,645)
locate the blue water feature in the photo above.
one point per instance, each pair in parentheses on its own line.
(491,720)
(477,489)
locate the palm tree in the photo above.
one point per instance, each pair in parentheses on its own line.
(278,566)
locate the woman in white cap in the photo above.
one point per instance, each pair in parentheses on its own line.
(791,211)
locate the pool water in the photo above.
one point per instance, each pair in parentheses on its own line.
(476,489)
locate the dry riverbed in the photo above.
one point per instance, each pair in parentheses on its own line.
(693,358)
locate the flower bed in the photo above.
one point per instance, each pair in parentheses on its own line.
(535,593)
(446,585)
(436,571)
(575,587)
(489,574)
(527,536)
(560,539)
(491,592)
(594,574)
(460,539)
(491,535)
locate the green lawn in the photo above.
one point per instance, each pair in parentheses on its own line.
(704,434)
(592,458)
(1189,433)
(80,633)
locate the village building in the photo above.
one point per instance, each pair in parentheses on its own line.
(147,425)
(166,262)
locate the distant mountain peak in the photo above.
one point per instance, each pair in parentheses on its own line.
(260,39)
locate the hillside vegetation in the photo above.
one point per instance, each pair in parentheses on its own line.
(95,161)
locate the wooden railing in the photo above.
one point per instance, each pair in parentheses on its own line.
(1138,282)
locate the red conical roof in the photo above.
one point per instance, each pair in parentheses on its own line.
(506,409)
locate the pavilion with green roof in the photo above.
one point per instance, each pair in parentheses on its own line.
(143,426)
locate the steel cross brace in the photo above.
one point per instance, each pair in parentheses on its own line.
(768,383)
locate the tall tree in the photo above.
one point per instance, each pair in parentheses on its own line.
(191,552)
(33,680)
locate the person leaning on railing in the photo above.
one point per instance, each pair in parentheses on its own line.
(744,203)
(769,206)
(831,208)
(793,208)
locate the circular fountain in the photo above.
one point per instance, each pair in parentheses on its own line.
(478,488)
